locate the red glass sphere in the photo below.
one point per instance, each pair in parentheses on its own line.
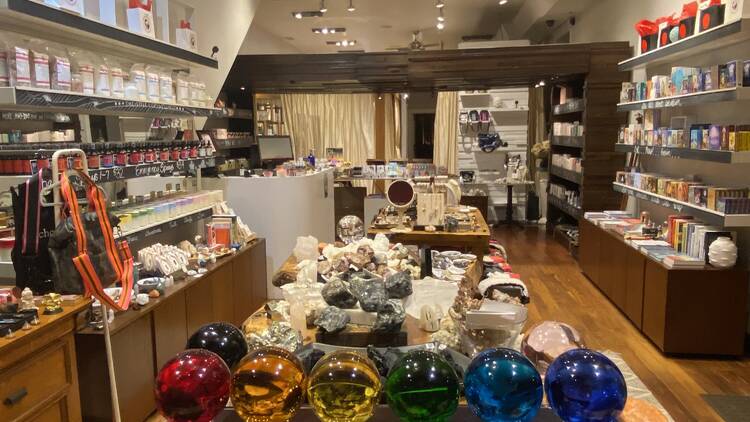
(192,386)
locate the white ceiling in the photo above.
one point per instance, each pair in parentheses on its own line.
(380,24)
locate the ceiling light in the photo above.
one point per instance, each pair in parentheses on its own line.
(502,2)
(323,7)
(242,88)
(541,83)
(338,43)
(332,30)
(345,43)
(439,4)
(351,6)
(380,96)
(406,96)
(440,26)
(352,42)
(324,30)
(317,31)
(297,15)
(441,18)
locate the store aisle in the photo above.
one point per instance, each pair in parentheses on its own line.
(560,292)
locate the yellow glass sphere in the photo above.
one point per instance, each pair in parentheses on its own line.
(344,387)
(268,385)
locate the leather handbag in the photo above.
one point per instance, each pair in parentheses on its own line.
(85,255)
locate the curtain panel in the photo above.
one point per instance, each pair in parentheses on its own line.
(445,144)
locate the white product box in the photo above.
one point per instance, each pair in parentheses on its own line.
(107,13)
(141,21)
(186,38)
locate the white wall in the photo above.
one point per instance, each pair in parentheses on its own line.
(613,20)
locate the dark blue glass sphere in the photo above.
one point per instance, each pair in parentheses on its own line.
(583,385)
(501,385)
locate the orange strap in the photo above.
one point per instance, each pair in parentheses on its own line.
(119,255)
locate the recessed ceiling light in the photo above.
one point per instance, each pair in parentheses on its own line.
(439,4)
(338,43)
(542,83)
(441,18)
(324,30)
(502,2)
(440,26)
(297,15)
(242,88)
(406,96)
(323,7)
(332,30)
(351,6)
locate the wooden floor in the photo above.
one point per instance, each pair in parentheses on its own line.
(560,292)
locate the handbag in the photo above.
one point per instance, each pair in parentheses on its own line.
(86,257)
(34,225)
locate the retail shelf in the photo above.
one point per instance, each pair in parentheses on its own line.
(167,168)
(240,114)
(569,175)
(709,216)
(38,20)
(568,141)
(150,230)
(684,100)
(510,117)
(718,37)
(476,100)
(563,206)
(35,99)
(233,143)
(570,107)
(726,157)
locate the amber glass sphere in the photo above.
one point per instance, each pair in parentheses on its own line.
(268,385)
(344,387)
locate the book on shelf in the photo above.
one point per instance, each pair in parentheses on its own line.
(682,261)
(618,214)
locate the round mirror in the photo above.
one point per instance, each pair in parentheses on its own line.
(400,193)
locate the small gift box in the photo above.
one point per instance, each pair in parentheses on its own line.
(711,14)
(140,18)
(687,19)
(668,29)
(186,37)
(74,6)
(648,31)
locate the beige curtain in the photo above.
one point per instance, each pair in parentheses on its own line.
(320,121)
(445,145)
(392,126)
(537,125)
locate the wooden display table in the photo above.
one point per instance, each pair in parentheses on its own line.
(144,339)
(686,311)
(477,241)
(38,376)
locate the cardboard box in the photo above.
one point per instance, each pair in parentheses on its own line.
(186,38)
(710,16)
(141,22)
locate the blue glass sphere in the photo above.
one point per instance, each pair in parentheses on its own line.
(501,385)
(583,385)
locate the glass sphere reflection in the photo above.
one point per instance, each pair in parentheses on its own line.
(422,386)
(502,385)
(350,229)
(193,386)
(344,386)
(268,385)
(583,385)
(547,340)
(222,338)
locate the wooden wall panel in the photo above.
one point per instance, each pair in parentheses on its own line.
(200,305)
(170,334)
(134,369)
(223,294)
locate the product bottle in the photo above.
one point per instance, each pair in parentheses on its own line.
(311,159)
(92,155)
(121,160)
(175,154)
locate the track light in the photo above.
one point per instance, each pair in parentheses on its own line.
(324,30)
(338,43)
(323,7)
(440,26)
(441,18)
(542,83)
(297,15)
(503,2)
(440,4)
(332,30)
(406,96)
(380,96)
(242,88)
(351,6)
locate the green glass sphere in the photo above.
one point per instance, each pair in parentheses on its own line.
(422,387)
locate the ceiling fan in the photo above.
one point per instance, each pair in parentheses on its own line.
(416,44)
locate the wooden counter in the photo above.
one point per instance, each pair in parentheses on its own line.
(685,311)
(144,339)
(38,369)
(476,241)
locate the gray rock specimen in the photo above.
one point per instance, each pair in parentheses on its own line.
(332,320)
(337,293)
(398,285)
(370,292)
(390,316)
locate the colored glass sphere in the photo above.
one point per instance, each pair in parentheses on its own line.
(268,385)
(547,340)
(501,385)
(222,338)
(583,385)
(192,386)
(344,387)
(422,386)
